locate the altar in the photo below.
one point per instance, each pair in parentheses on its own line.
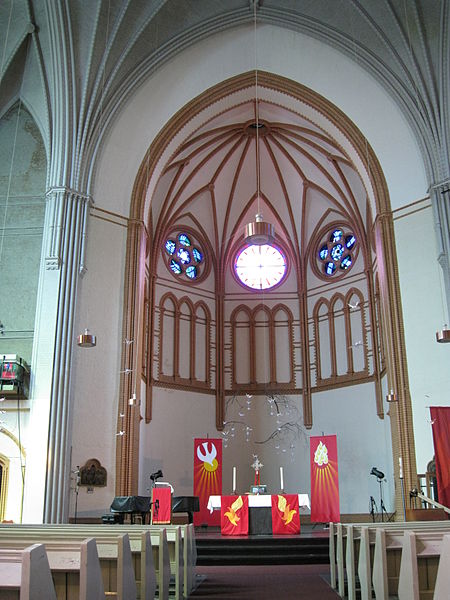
(260,511)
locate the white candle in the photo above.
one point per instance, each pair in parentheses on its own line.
(281,479)
(234,479)
(400,464)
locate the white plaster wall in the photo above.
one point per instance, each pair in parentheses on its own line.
(424,314)
(363,442)
(95,371)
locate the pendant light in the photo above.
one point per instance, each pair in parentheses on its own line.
(86,339)
(258,232)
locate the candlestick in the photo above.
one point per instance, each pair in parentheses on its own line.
(234,479)
(400,464)
(281,479)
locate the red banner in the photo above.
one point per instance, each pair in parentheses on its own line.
(285,514)
(207,478)
(161,505)
(234,515)
(440,419)
(324,479)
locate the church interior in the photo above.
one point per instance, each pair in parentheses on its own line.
(221,219)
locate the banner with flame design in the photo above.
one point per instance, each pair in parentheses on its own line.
(207,477)
(440,424)
(285,514)
(234,515)
(324,479)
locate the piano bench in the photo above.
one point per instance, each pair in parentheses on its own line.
(112,518)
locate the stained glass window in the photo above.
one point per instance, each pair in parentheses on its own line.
(198,256)
(184,240)
(260,267)
(184,256)
(191,272)
(337,252)
(184,262)
(175,267)
(170,247)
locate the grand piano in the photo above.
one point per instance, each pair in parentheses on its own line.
(140,505)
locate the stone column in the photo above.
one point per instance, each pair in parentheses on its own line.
(47,485)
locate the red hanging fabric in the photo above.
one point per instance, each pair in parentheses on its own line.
(162,505)
(207,477)
(324,479)
(285,514)
(440,419)
(234,515)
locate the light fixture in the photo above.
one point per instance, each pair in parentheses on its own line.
(86,340)
(443,336)
(378,474)
(391,397)
(258,232)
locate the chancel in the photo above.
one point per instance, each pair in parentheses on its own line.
(224,232)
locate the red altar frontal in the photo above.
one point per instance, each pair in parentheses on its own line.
(260,514)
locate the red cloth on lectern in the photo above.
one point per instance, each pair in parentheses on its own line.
(162,505)
(440,418)
(324,479)
(285,514)
(234,515)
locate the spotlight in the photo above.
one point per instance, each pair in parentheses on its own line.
(156,475)
(378,474)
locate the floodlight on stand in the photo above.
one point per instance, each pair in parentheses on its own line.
(378,474)
(443,336)
(86,339)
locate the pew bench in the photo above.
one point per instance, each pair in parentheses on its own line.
(25,574)
(353,547)
(182,552)
(425,566)
(149,552)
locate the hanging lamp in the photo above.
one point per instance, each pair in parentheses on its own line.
(86,339)
(443,335)
(258,232)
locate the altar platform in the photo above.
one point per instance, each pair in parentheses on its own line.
(309,547)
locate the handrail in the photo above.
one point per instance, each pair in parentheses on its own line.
(416,494)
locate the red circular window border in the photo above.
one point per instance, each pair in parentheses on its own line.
(240,247)
(196,240)
(322,238)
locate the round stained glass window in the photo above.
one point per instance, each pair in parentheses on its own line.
(184,256)
(336,252)
(260,267)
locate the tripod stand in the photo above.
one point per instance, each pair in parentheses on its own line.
(382,506)
(372,508)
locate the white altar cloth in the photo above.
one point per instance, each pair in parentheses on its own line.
(215,502)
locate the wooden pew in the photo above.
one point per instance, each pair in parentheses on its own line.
(182,551)
(352,547)
(425,566)
(26,575)
(148,548)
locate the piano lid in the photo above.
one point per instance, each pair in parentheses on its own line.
(131,504)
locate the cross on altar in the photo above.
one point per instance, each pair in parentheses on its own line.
(257,465)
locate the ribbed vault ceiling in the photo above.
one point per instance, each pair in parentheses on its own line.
(305,177)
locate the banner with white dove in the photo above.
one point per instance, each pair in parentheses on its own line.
(207,477)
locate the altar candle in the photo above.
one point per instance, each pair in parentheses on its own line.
(234,479)
(400,464)
(281,479)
